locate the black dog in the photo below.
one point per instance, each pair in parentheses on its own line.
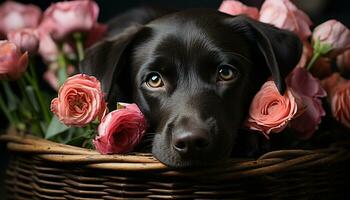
(193,74)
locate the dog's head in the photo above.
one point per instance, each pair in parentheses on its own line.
(193,74)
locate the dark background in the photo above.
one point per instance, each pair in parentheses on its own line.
(318,10)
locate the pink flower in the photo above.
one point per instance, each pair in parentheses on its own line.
(51,77)
(343,62)
(25,39)
(15,16)
(121,130)
(233,7)
(338,89)
(285,15)
(310,91)
(80,101)
(12,62)
(64,18)
(334,35)
(271,112)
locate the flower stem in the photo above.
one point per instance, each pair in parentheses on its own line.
(79,45)
(62,72)
(42,103)
(6,111)
(313,60)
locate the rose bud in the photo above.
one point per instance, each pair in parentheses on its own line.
(14,15)
(80,101)
(343,62)
(285,15)
(64,18)
(233,7)
(121,130)
(338,90)
(26,39)
(331,37)
(269,111)
(310,91)
(12,62)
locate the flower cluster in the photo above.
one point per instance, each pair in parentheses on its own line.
(59,36)
(300,108)
(80,115)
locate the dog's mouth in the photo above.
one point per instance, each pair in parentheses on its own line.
(195,156)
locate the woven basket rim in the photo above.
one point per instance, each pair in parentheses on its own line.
(271,162)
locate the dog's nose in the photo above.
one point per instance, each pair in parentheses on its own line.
(190,142)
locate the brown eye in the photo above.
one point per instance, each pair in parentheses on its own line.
(227,73)
(154,80)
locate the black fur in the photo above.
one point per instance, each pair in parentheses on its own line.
(195,116)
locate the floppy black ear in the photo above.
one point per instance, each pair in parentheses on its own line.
(280,49)
(104,61)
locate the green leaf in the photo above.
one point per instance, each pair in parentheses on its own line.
(32,97)
(55,128)
(12,100)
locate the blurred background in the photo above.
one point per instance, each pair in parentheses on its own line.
(318,10)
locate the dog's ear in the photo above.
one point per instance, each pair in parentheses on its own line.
(104,61)
(280,49)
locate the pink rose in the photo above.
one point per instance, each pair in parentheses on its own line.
(48,48)
(25,39)
(12,62)
(333,36)
(80,101)
(285,15)
(51,77)
(343,62)
(64,18)
(121,130)
(271,112)
(338,89)
(14,15)
(310,91)
(233,7)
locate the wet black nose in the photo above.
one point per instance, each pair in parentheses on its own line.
(190,142)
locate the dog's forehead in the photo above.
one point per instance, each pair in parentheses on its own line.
(191,33)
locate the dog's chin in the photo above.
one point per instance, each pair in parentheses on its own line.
(174,160)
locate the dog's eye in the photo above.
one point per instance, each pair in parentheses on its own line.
(227,73)
(154,80)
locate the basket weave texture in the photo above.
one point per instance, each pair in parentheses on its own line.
(41,169)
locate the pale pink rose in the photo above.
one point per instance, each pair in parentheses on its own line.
(332,33)
(269,111)
(285,15)
(64,18)
(338,89)
(26,39)
(48,48)
(307,54)
(12,62)
(80,101)
(310,90)
(233,7)
(343,62)
(14,15)
(121,130)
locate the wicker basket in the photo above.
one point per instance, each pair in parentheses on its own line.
(40,169)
